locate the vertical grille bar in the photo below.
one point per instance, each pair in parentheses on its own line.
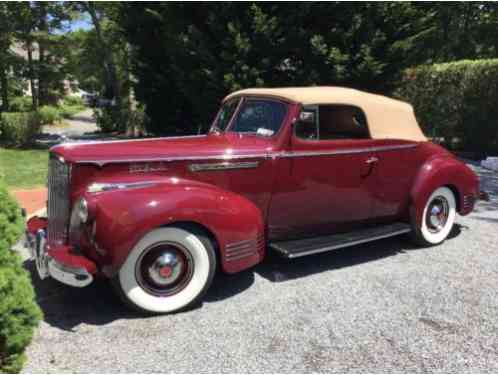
(58,200)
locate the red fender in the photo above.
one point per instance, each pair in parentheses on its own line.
(444,171)
(124,216)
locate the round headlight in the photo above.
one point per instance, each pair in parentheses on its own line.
(83,210)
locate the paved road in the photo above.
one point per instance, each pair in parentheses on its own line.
(78,125)
(381,307)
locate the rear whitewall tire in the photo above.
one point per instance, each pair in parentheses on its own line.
(201,254)
(424,234)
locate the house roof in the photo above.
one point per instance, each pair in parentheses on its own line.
(386,117)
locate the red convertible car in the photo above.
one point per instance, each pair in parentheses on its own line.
(296,171)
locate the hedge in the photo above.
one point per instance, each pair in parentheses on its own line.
(456,102)
(49,114)
(19,314)
(21,104)
(19,128)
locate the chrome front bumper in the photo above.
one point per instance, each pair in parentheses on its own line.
(47,266)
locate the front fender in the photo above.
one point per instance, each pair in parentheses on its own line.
(444,171)
(124,216)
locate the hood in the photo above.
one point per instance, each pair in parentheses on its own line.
(189,147)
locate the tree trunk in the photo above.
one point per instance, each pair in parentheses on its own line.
(42,68)
(112,83)
(5,87)
(31,71)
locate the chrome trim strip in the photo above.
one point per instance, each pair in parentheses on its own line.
(222,166)
(286,154)
(268,155)
(247,253)
(133,140)
(334,247)
(101,163)
(98,187)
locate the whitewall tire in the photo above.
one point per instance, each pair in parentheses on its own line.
(438,218)
(168,270)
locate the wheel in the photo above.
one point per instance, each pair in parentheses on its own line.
(168,270)
(437,219)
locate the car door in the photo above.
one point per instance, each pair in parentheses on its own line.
(397,165)
(323,182)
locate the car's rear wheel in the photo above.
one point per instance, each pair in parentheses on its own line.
(168,270)
(437,219)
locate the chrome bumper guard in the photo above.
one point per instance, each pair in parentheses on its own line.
(46,266)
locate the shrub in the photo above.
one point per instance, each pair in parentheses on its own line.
(73,101)
(456,101)
(19,128)
(21,104)
(19,314)
(49,115)
(67,111)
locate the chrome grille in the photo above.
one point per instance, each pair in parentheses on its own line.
(58,200)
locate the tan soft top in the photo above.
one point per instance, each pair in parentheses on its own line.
(386,117)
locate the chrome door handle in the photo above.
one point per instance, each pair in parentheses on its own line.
(372,160)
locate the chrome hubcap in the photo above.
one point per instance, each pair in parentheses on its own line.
(437,214)
(167,268)
(164,269)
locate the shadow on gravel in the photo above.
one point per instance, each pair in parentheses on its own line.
(66,307)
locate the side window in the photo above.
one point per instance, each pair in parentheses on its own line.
(334,122)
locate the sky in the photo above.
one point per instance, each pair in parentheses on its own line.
(84,24)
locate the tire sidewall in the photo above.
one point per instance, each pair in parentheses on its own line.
(201,277)
(436,238)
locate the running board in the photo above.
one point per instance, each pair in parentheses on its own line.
(307,246)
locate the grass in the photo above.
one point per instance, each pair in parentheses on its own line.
(23,168)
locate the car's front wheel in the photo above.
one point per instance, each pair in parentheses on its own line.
(438,218)
(168,270)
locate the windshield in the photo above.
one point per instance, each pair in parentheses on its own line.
(259,116)
(225,115)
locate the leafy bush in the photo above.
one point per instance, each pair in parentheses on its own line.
(49,114)
(19,128)
(21,104)
(67,111)
(19,314)
(456,102)
(111,119)
(73,101)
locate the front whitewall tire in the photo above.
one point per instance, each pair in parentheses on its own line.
(203,266)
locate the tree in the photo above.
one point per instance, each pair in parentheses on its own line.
(185,49)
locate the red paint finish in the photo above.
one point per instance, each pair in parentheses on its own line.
(294,188)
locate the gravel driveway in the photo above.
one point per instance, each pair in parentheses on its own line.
(381,307)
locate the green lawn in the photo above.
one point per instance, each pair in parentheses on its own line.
(23,169)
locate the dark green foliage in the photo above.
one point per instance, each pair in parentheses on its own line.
(456,101)
(188,56)
(19,128)
(49,114)
(73,101)
(19,314)
(21,104)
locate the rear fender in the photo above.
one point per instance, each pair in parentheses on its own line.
(124,216)
(443,171)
